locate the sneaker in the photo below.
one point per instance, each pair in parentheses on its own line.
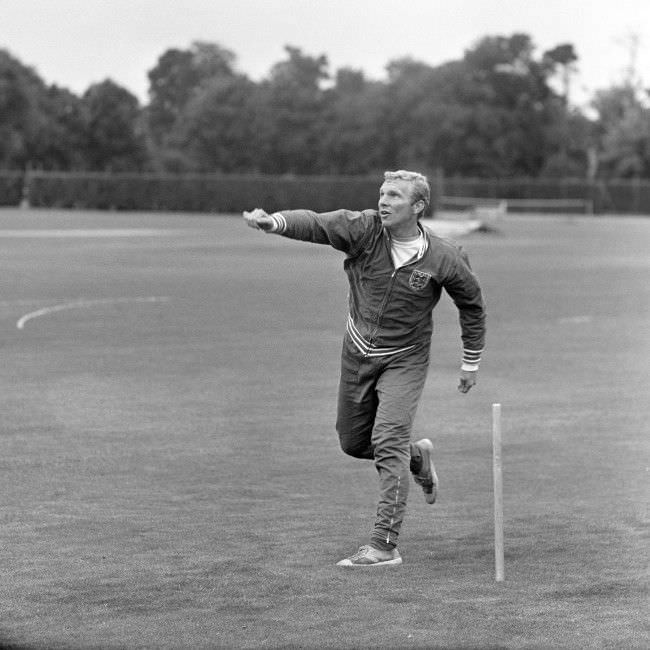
(426,477)
(368,556)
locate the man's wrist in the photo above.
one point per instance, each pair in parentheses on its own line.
(279,223)
(471,359)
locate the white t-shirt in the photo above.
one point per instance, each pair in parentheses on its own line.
(404,250)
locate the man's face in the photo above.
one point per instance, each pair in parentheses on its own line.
(396,209)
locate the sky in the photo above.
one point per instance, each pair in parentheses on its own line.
(75,43)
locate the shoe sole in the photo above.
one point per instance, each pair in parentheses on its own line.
(426,445)
(350,565)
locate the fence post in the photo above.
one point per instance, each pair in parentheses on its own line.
(25,202)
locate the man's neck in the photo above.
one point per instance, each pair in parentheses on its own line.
(406,240)
(405,232)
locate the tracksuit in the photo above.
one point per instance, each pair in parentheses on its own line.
(385,354)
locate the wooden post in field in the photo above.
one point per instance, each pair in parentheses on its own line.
(497,477)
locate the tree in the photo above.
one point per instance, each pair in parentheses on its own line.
(291,113)
(353,135)
(624,130)
(20,88)
(409,129)
(570,136)
(493,112)
(569,132)
(626,147)
(510,107)
(59,140)
(484,115)
(114,142)
(175,78)
(218,127)
(40,126)
(563,56)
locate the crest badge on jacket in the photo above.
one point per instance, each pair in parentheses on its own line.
(419,280)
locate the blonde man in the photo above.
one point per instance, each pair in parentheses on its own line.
(396,270)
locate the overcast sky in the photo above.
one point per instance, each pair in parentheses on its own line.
(75,43)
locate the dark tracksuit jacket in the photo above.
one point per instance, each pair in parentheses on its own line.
(388,334)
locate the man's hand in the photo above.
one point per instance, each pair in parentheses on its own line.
(258,219)
(467,380)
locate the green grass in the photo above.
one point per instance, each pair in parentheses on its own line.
(170,475)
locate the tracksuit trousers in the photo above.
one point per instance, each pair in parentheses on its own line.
(377,401)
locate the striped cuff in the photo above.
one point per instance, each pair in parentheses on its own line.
(471,360)
(279,223)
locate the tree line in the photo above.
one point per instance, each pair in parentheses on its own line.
(501,110)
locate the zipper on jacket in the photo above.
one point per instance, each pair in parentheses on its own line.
(384,302)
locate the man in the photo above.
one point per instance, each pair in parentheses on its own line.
(396,270)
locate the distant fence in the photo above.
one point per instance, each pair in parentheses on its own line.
(232,193)
(617,196)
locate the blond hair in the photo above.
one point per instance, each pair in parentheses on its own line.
(420,189)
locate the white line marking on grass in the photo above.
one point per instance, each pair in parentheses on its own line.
(20,324)
(87,232)
(575,320)
(21,301)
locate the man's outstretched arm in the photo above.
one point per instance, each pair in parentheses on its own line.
(344,230)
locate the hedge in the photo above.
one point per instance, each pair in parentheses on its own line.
(199,193)
(220,193)
(11,187)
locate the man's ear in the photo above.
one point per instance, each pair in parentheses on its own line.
(419,206)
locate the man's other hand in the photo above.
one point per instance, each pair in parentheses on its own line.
(467,380)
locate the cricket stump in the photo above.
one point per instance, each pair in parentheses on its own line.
(497,478)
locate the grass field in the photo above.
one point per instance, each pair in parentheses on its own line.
(170,475)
